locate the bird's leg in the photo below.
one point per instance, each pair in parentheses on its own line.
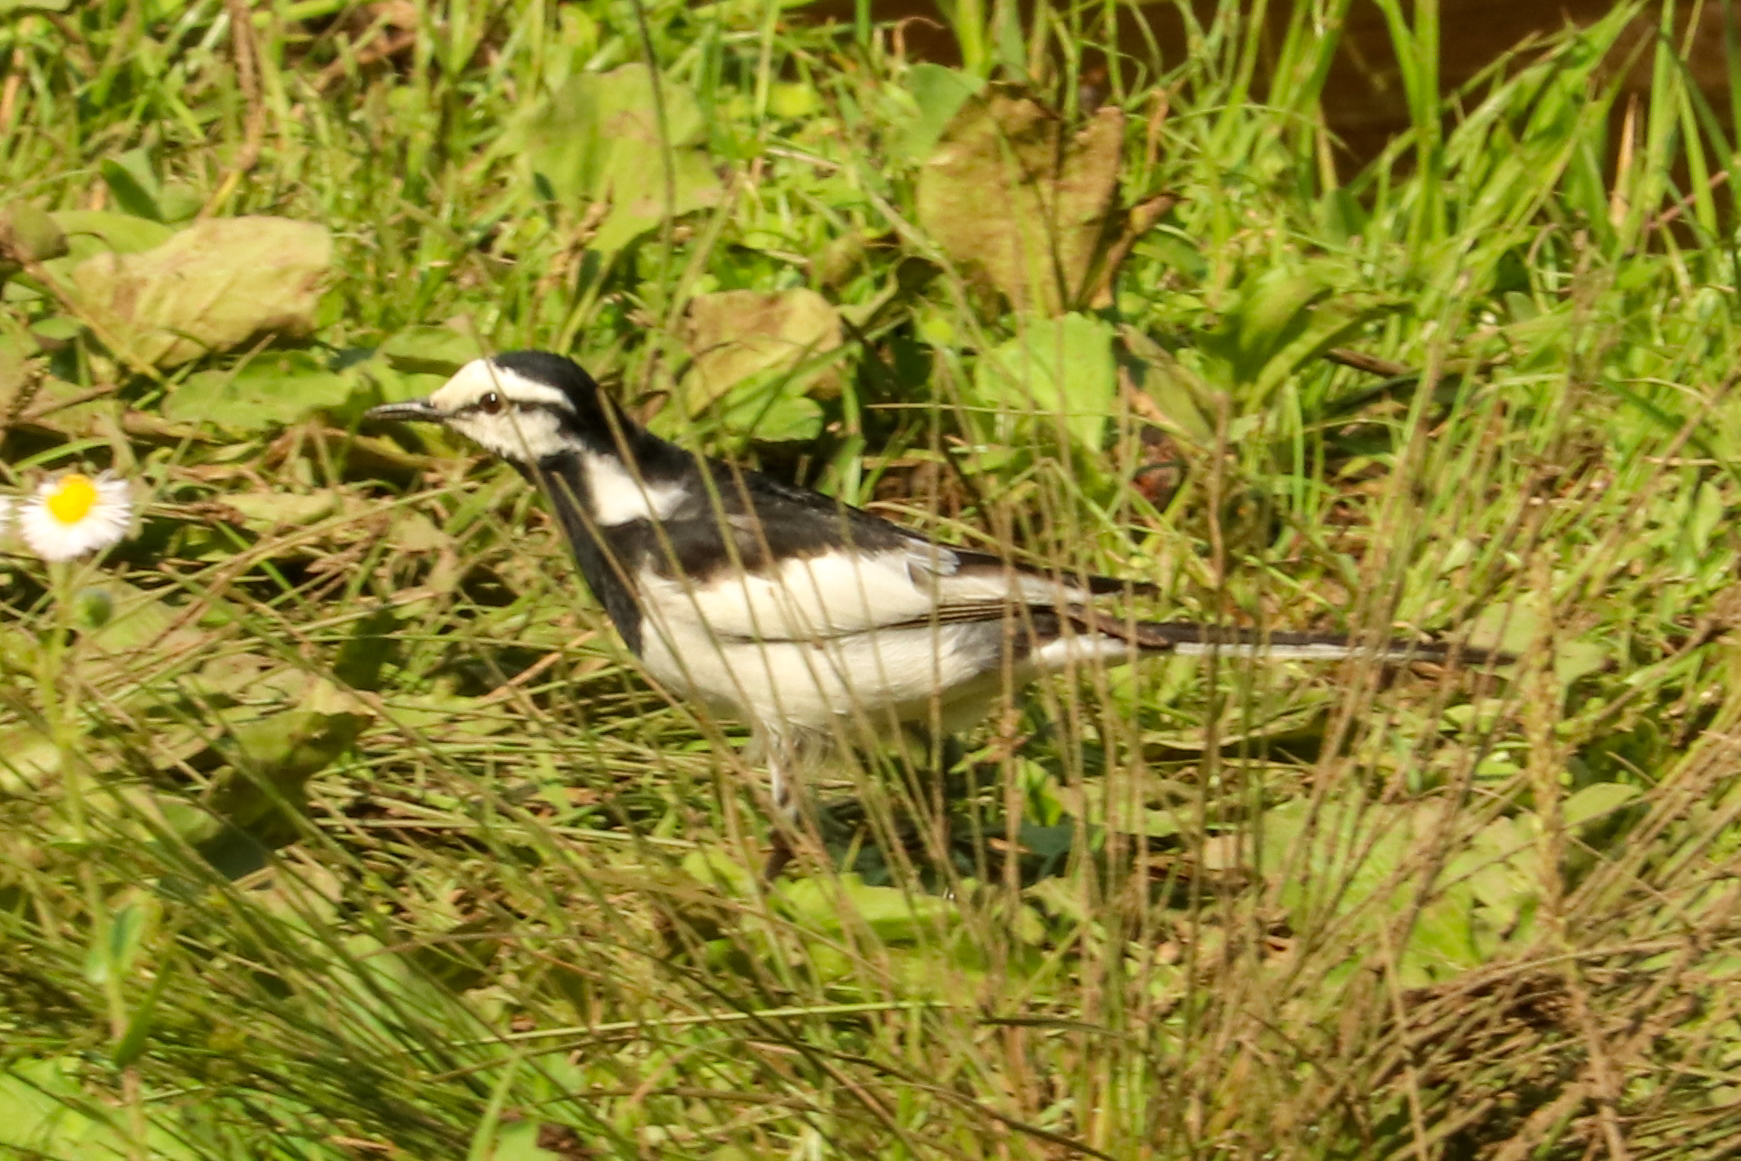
(933,758)
(951,756)
(779,854)
(781,778)
(955,781)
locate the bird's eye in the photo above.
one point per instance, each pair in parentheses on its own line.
(491,403)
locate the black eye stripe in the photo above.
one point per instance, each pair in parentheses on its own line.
(503,404)
(490,403)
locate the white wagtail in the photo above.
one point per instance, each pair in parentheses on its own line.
(807,618)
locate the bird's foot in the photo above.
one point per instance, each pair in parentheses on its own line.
(778,857)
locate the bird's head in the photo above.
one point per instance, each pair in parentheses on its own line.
(525,406)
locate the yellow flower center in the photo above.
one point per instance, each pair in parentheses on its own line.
(73,499)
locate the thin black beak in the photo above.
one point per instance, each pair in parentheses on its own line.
(410,411)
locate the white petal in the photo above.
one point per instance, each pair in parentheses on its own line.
(105,524)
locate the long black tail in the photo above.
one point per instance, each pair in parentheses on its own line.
(1188,639)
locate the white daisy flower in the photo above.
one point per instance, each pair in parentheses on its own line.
(75,514)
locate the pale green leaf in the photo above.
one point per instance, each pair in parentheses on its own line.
(213,287)
(1056,374)
(92,232)
(273,388)
(939,92)
(598,138)
(1596,801)
(430,350)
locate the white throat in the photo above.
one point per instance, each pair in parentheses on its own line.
(619,498)
(523,436)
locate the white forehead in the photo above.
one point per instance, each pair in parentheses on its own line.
(481,376)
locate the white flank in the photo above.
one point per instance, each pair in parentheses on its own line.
(808,599)
(1009,584)
(841,592)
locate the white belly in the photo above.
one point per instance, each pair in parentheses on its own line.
(875,680)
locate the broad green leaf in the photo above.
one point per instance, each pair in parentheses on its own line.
(228,675)
(1501,863)
(56,331)
(1278,321)
(272,389)
(518,1141)
(1055,372)
(1017,205)
(597,139)
(415,532)
(1442,940)
(446,714)
(1513,626)
(270,760)
(269,511)
(213,287)
(430,350)
(179,202)
(642,196)
(1267,311)
(395,386)
(111,957)
(894,915)
(940,92)
(1351,862)
(794,100)
(92,232)
(713,866)
(1183,399)
(1595,802)
(460,957)
(1578,658)
(1516,627)
(1118,808)
(358,665)
(767,414)
(45,1111)
(130,179)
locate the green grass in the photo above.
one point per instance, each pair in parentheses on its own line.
(335,823)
